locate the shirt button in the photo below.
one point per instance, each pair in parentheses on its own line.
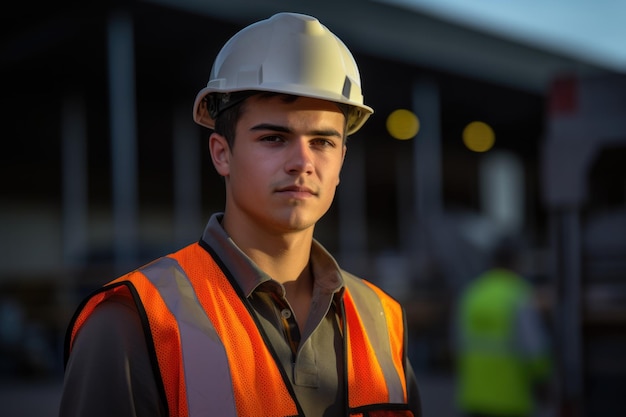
(286,313)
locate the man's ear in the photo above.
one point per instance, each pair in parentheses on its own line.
(220,154)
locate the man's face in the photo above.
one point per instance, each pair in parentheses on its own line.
(283,170)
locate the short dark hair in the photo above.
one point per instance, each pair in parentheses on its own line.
(226,123)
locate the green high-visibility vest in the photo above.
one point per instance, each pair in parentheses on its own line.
(502,348)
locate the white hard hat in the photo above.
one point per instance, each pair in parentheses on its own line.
(288,53)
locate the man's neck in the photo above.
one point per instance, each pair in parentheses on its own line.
(283,256)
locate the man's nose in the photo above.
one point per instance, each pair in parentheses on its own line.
(300,157)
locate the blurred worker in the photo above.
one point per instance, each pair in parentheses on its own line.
(502,352)
(255,319)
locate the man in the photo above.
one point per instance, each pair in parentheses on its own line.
(257,318)
(502,349)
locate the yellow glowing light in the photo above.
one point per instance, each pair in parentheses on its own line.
(403,124)
(478,137)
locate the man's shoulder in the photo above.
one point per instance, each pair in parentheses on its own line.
(352,281)
(358,285)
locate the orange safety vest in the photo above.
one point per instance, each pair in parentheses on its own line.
(201,326)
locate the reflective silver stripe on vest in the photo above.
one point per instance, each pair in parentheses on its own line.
(207,375)
(376,328)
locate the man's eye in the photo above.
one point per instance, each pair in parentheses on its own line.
(272,138)
(323,142)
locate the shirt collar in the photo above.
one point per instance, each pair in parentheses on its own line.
(326,272)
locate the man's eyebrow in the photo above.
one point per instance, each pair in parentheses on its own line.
(284,129)
(269,126)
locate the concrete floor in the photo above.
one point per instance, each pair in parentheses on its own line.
(41,398)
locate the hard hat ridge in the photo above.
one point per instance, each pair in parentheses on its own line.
(288,53)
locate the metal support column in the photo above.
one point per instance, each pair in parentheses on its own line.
(121,69)
(187,173)
(74,161)
(427,153)
(569,313)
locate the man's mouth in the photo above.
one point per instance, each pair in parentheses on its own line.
(297,191)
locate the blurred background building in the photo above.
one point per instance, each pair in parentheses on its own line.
(498,132)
